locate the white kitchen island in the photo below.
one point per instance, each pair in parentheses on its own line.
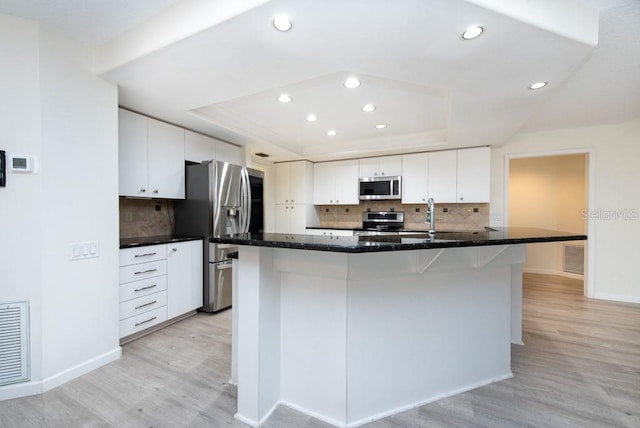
(356,335)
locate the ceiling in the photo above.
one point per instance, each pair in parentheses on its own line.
(217,67)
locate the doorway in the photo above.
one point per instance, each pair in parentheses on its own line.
(551,192)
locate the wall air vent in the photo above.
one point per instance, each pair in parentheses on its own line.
(262,155)
(574,259)
(14,342)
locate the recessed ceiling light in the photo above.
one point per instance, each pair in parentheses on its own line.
(282,23)
(368,108)
(331,133)
(381,126)
(311,118)
(538,85)
(472,32)
(351,83)
(284,98)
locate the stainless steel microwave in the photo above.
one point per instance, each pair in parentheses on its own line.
(380,188)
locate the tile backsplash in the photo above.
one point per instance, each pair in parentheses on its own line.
(448,216)
(145,217)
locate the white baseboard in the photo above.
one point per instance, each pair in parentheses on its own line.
(553,272)
(80,369)
(24,389)
(617,298)
(18,390)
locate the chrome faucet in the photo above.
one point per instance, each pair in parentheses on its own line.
(431,216)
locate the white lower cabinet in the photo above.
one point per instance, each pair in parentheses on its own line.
(184,277)
(157,283)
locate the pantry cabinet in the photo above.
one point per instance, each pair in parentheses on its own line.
(383,166)
(336,183)
(294,186)
(415,178)
(151,157)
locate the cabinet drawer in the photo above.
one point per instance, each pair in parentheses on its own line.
(142,271)
(131,290)
(140,322)
(142,304)
(150,253)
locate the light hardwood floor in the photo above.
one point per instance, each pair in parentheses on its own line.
(580,367)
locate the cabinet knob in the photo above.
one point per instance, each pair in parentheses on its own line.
(174,249)
(337,201)
(286,208)
(143,190)
(424,199)
(291,200)
(331,201)
(382,173)
(291,207)
(461,198)
(155,192)
(375,173)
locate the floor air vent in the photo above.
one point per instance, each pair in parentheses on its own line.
(14,342)
(574,259)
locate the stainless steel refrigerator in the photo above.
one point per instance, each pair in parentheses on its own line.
(220,199)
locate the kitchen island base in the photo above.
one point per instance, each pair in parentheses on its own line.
(351,338)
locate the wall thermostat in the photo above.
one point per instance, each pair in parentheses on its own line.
(21,163)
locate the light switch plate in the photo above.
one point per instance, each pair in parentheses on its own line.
(84,250)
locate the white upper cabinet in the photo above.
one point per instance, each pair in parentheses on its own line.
(335,183)
(415,178)
(474,175)
(198,148)
(385,166)
(443,172)
(226,152)
(166,160)
(151,157)
(293,182)
(132,154)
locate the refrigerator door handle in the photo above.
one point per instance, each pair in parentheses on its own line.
(245,201)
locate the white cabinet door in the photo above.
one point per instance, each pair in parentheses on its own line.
(226,152)
(324,183)
(184,277)
(390,166)
(443,167)
(298,223)
(474,175)
(198,148)
(283,219)
(282,181)
(132,154)
(368,167)
(346,182)
(384,166)
(166,160)
(299,181)
(415,178)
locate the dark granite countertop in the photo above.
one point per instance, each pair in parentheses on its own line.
(364,244)
(155,240)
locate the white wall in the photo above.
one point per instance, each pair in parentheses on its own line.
(20,201)
(613,157)
(64,115)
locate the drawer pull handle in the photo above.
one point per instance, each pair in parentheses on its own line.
(146,304)
(145,321)
(145,255)
(145,288)
(145,271)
